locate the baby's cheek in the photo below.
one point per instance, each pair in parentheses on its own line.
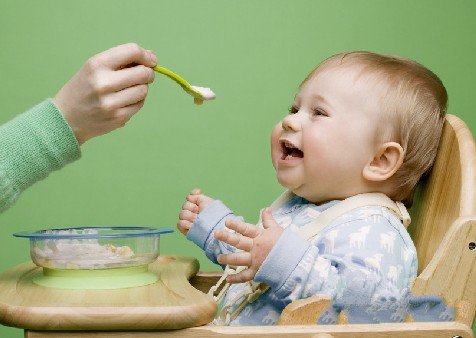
(275,147)
(276,132)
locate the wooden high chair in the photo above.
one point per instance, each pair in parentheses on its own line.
(444,232)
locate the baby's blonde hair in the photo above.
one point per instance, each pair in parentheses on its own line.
(414,106)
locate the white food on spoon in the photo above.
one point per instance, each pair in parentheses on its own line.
(207,93)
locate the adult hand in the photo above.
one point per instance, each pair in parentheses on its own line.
(107,91)
(255,242)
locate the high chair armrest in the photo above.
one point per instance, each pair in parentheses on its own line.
(204,280)
(304,311)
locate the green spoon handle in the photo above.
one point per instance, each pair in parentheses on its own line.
(177,78)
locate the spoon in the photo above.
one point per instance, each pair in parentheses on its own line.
(199,93)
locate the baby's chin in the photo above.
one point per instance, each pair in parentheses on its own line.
(287,183)
(298,190)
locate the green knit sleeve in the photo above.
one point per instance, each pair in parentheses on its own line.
(32,145)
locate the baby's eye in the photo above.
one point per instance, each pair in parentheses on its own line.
(318,112)
(293,110)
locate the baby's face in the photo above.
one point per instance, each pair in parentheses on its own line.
(320,149)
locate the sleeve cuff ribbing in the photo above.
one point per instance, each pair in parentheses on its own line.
(282,259)
(206,221)
(33,144)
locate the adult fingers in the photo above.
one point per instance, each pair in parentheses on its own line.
(241,277)
(267,218)
(187,215)
(123,55)
(125,97)
(124,114)
(236,240)
(129,77)
(243,228)
(237,258)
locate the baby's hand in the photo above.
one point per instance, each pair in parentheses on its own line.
(107,91)
(194,204)
(256,243)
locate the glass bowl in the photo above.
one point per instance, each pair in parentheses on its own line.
(91,248)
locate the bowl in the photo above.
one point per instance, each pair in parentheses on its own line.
(91,248)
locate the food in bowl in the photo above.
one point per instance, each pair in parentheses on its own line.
(94,247)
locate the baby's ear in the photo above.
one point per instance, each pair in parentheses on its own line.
(385,163)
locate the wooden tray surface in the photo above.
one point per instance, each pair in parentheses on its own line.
(170,303)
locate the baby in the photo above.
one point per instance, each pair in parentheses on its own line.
(362,130)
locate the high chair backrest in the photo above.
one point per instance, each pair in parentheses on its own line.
(448,193)
(444,222)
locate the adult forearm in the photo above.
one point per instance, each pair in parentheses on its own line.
(32,145)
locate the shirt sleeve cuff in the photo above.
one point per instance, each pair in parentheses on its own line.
(38,142)
(206,221)
(282,260)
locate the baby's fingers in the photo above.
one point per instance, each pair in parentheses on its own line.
(236,240)
(193,198)
(237,259)
(196,191)
(241,277)
(183,226)
(190,206)
(246,229)
(187,215)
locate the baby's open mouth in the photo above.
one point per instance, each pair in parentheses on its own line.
(290,151)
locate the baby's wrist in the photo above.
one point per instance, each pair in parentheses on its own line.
(206,201)
(282,260)
(209,219)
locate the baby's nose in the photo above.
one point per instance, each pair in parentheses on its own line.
(291,123)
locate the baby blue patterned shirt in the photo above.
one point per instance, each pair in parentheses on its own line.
(364,260)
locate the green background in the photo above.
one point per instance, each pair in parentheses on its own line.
(253,54)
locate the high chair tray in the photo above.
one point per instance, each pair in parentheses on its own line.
(169,303)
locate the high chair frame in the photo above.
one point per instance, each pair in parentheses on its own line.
(444,232)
